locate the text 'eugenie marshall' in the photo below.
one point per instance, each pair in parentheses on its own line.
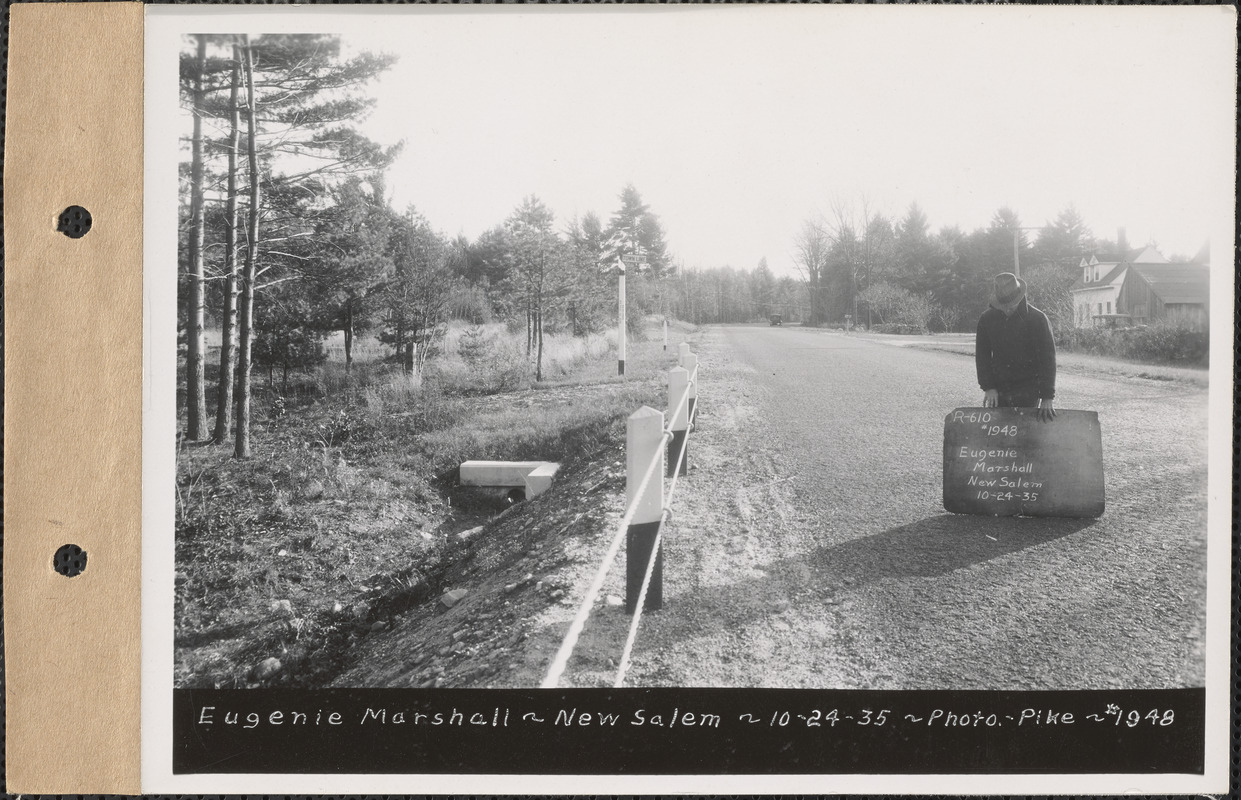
(496,717)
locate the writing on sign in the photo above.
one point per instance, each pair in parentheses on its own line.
(1006,462)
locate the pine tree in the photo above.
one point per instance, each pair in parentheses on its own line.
(425,269)
(634,228)
(241,447)
(195,375)
(301,100)
(224,390)
(537,256)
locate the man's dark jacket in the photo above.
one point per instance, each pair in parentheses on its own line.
(1016,355)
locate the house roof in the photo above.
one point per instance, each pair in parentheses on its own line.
(1116,263)
(1113,274)
(1138,255)
(1177,283)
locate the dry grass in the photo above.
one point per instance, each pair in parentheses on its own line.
(344,514)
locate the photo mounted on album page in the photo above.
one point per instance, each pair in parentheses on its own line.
(694,398)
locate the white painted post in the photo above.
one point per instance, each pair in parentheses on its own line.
(665,336)
(678,387)
(691,366)
(620,327)
(682,352)
(643,433)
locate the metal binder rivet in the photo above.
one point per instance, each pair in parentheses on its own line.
(70,560)
(74,222)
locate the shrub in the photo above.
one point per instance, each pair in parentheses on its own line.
(473,346)
(899,328)
(1166,343)
(1158,343)
(337,430)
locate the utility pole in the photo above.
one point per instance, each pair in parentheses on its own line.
(638,261)
(1016,259)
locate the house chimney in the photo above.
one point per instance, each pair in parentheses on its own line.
(1122,243)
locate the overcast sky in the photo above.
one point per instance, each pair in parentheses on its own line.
(736,124)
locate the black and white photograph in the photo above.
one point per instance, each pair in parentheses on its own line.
(695,348)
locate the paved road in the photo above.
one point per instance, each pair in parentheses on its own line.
(810,547)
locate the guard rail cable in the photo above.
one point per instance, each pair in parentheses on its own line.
(565,652)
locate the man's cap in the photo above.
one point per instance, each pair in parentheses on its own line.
(1009,289)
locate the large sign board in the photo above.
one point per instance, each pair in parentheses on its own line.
(1005,462)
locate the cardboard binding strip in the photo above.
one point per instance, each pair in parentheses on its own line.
(73,397)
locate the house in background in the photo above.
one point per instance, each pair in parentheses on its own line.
(1178,294)
(1138,288)
(1096,295)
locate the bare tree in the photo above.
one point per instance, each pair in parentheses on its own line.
(811,248)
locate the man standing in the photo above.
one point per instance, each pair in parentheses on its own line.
(1015,352)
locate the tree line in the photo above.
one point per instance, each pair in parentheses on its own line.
(859,266)
(287,233)
(864,265)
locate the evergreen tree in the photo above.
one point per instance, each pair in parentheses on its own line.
(228,328)
(348,257)
(763,289)
(1063,241)
(538,261)
(418,298)
(634,228)
(195,376)
(588,298)
(914,250)
(301,100)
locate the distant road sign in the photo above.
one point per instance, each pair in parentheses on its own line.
(630,258)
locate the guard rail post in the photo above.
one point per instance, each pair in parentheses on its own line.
(691,367)
(682,352)
(644,433)
(678,407)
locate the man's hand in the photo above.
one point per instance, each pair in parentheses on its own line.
(991,399)
(1046,410)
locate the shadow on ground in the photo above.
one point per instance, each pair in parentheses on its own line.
(937,546)
(928,548)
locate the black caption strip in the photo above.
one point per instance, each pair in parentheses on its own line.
(687,731)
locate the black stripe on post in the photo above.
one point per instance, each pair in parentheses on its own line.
(620,367)
(639,540)
(678,440)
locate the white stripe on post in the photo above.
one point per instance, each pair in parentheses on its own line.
(665,335)
(690,363)
(621,326)
(678,387)
(644,433)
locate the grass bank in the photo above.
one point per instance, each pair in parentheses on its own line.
(346,512)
